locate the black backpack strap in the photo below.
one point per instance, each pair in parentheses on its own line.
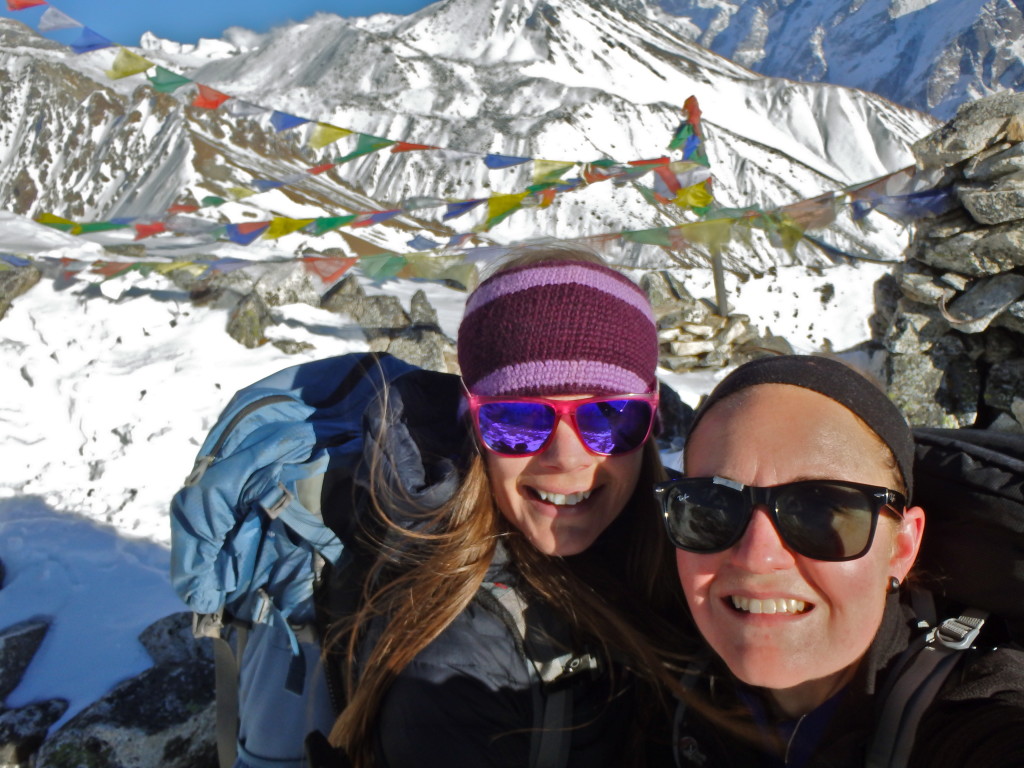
(916,678)
(551,664)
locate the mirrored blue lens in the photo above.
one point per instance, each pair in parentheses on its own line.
(515,428)
(614,426)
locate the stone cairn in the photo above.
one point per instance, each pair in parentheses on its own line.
(951,319)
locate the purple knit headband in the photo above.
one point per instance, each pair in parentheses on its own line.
(558,327)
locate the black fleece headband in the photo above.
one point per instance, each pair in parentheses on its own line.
(835,380)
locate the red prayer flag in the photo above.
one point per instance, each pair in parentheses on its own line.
(404,146)
(183,208)
(320,168)
(20,5)
(329,268)
(692,111)
(208,98)
(655,161)
(143,231)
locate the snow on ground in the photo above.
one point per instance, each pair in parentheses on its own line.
(108,393)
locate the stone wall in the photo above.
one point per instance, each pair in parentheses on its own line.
(952,318)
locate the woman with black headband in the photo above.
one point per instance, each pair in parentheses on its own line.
(794,539)
(539,486)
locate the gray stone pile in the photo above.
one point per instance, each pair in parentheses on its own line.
(953,324)
(692,333)
(162,718)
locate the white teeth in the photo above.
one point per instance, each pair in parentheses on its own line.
(563,500)
(768,605)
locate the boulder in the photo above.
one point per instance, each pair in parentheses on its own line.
(1003,386)
(14,282)
(986,299)
(248,322)
(23,730)
(288,283)
(18,646)
(164,718)
(170,641)
(977,126)
(988,205)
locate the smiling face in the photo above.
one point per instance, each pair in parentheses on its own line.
(564,497)
(780,620)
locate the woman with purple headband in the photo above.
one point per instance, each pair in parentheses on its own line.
(541,502)
(795,537)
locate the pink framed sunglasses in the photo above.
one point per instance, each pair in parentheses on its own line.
(523,426)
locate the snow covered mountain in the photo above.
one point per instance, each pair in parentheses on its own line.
(932,55)
(555,79)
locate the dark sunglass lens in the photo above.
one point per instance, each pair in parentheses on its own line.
(515,428)
(614,426)
(703,516)
(825,521)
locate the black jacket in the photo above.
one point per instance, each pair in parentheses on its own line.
(467,700)
(976,720)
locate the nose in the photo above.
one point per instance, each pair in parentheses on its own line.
(566,452)
(761,549)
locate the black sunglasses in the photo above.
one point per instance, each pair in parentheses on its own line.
(831,520)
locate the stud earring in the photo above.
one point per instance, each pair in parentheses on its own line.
(894,585)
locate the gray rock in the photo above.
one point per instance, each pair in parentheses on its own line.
(983,301)
(164,718)
(170,641)
(249,320)
(1013,318)
(977,126)
(383,313)
(938,385)
(288,283)
(14,282)
(18,646)
(989,166)
(1001,249)
(1001,345)
(665,291)
(23,730)
(421,312)
(921,285)
(292,347)
(915,328)
(955,253)
(341,295)
(424,347)
(1003,386)
(992,206)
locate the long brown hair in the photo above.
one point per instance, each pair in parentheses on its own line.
(624,599)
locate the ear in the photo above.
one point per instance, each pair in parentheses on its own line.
(907,542)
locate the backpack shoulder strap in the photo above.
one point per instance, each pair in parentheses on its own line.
(550,662)
(916,678)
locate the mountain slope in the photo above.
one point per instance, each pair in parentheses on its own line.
(932,55)
(557,79)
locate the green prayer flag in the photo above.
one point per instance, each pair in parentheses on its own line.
(166,81)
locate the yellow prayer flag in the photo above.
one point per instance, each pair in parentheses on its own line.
(713,233)
(50,218)
(696,196)
(324,134)
(500,206)
(240,193)
(128,63)
(547,171)
(282,225)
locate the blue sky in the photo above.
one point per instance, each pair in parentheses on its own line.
(124,21)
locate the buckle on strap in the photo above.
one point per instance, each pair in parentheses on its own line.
(961,632)
(208,624)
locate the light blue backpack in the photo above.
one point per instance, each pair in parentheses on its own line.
(248,543)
